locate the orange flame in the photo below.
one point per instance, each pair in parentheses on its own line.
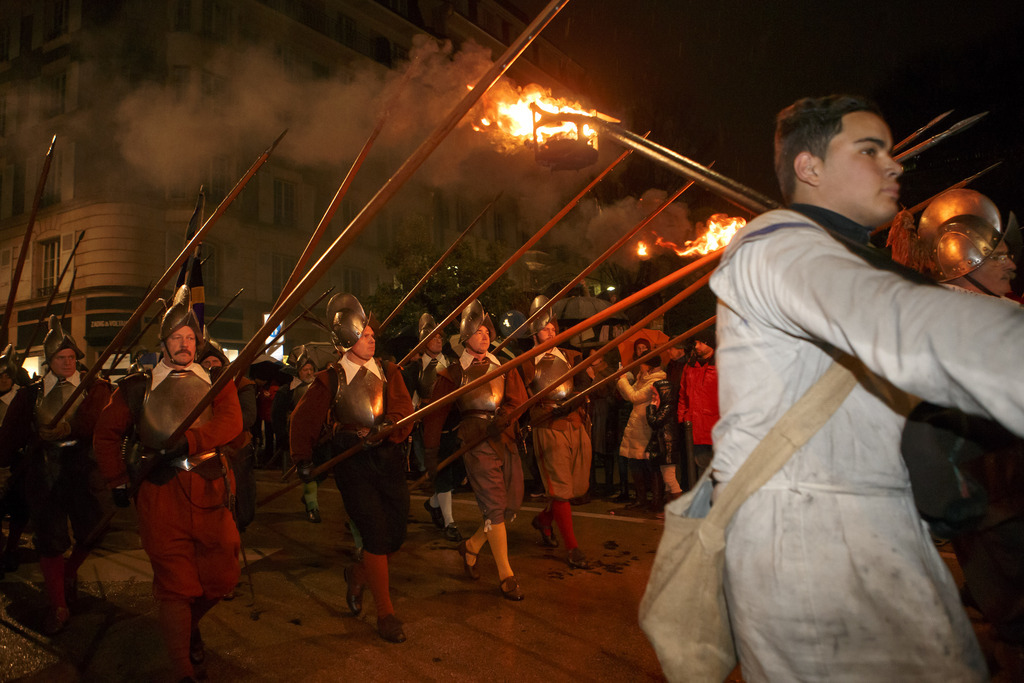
(507,111)
(719,230)
(641,249)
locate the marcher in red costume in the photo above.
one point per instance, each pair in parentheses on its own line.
(185,521)
(562,442)
(349,403)
(494,468)
(61,480)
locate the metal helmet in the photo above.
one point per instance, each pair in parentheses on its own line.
(57,340)
(9,366)
(180,314)
(959,229)
(211,347)
(346,317)
(425,326)
(541,321)
(473,316)
(300,356)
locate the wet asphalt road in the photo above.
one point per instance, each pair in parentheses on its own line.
(573,624)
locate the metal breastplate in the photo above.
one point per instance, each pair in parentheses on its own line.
(166,405)
(428,376)
(486,398)
(361,402)
(298,392)
(49,405)
(548,369)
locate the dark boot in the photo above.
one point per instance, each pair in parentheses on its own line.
(640,484)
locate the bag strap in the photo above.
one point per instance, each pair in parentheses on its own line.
(790,433)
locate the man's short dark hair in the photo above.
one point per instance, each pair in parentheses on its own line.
(808,125)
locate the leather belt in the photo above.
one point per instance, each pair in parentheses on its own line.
(191,461)
(478,413)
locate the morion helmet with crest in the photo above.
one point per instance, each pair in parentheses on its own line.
(473,316)
(180,314)
(346,318)
(543,320)
(9,366)
(57,340)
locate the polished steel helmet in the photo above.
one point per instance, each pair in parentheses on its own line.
(541,321)
(346,317)
(959,230)
(211,347)
(300,356)
(473,316)
(180,314)
(426,325)
(8,364)
(57,340)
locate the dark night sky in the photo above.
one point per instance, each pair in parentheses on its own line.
(707,78)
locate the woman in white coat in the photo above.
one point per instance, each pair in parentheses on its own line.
(635,438)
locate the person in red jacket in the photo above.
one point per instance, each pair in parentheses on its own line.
(351,402)
(62,484)
(698,404)
(183,499)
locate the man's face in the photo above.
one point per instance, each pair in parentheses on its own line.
(480,341)
(211,362)
(6,383)
(435,344)
(640,350)
(703,350)
(180,347)
(997,271)
(63,363)
(857,178)
(306,373)
(545,333)
(366,345)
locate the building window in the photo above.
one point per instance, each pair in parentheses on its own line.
(281,266)
(58,26)
(215,19)
(353,280)
(57,87)
(284,203)
(346,30)
(212,85)
(183,16)
(49,265)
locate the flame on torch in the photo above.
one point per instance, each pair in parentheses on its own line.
(641,249)
(508,112)
(718,231)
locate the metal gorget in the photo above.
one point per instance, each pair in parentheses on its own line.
(360,403)
(486,398)
(166,405)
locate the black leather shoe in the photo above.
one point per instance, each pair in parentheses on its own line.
(390,629)
(313,515)
(470,569)
(435,514)
(197,654)
(510,589)
(451,532)
(56,619)
(547,534)
(577,560)
(354,593)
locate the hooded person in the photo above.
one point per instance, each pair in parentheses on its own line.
(183,489)
(421,374)
(352,401)
(561,437)
(62,483)
(493,466)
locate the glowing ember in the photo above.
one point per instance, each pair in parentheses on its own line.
(641,248)
(508,112)
(718,230)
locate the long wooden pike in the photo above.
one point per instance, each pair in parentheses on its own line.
(26,241)
(332,208)
(135,340)
(955,186)
(67,299)
(594,266)
(374,206)
(958,127)
(49,301)
(171,271)
(515,257)
(917,133)
(224,308)
(596,319)
(433,269)
(577,399)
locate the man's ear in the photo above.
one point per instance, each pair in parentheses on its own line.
(807,168)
